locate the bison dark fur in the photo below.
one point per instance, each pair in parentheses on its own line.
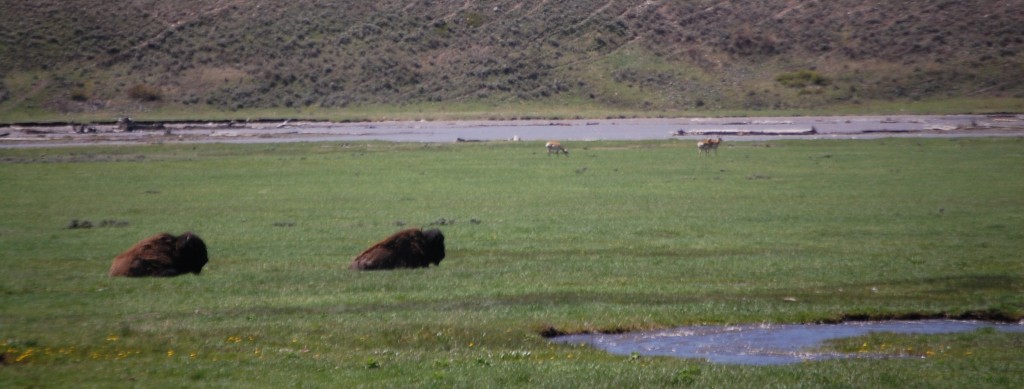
(409,248)
(162,255)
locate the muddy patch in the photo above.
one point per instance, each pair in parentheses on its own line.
(765,344)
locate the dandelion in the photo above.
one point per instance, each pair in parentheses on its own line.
(193,355)
(234,339)
(112,338)
(170,353)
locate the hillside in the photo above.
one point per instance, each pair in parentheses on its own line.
(82,56)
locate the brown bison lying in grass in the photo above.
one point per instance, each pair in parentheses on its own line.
(405,249)
(162,255)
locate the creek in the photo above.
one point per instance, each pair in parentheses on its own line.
(765,344)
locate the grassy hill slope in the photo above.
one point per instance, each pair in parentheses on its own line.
(89,56)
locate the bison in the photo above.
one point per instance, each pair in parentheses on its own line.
(409,248)
(162,255)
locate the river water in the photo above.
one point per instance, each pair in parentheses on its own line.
(736,129)
(765,344)
(732,129)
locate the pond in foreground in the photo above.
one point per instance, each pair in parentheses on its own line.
(764,344)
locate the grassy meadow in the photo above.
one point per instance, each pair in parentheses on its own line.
(617,236)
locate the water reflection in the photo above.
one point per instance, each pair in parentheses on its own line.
(763,344)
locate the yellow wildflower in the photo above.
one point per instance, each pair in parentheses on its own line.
(25,355)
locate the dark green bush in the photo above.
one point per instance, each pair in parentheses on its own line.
(143,92)
(802,79)
(79,94)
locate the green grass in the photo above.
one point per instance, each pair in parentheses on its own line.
(621,235)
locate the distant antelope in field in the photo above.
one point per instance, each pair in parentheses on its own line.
(556,147)
(705,146)
(715,143)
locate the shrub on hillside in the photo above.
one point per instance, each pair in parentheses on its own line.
(802,79)
(143,92)
(79,94)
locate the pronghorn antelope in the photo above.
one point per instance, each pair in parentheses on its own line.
(715,143)
(705,146)
(555,147)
